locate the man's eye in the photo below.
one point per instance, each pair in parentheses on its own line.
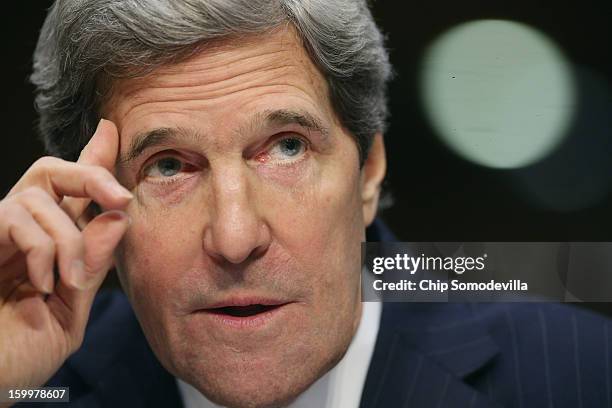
(166,167)
(288,147)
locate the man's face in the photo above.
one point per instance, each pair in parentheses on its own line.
(243,258)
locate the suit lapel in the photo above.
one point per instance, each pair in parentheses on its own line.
(421,359)
(425,351)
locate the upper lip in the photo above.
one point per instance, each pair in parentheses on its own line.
(246,301)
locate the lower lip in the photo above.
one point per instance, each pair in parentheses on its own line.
(247,322)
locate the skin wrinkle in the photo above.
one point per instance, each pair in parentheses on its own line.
(197,105)
(290,231)
(183,85)
(235,80)
(219,62)
(268,121)
(166,110)
(129,89)
(216,69)
(221,93)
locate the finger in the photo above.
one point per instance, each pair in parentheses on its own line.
(102,150)
(100,237)
(59,178)
(19,228)
(58,225)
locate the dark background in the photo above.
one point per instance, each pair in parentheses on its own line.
(437,195)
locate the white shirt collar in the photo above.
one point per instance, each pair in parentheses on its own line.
(340,387)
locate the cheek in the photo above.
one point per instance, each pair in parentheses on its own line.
(320,224)
(164,196)
(157,249)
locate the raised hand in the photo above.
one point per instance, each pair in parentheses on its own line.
(42,319)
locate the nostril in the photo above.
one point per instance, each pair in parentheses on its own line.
(235,245)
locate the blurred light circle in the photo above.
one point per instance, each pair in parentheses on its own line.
(498,93)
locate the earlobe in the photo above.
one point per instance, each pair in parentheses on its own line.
(372,175)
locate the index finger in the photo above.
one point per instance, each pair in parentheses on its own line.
(101,150)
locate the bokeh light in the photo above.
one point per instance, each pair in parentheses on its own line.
(498,93)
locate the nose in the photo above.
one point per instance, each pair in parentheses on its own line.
(237,230)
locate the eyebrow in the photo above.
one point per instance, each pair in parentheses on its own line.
(278,117)
(145,140)
(304,119)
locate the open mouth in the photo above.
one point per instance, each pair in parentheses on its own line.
(243,311)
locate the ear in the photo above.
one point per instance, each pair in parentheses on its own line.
(372,175)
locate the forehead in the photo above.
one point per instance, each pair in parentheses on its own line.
(234,75)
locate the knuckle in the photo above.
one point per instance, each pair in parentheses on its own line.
(44,246)
(45,162)
(101,173)
(9,210)
(72,240)
(35,193)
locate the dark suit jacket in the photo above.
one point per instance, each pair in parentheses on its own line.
(426,355)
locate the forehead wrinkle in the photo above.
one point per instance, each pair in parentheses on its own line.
(185,79)
(171,75)
(218,61)
(221,58)
(231,85)
(198,100)
(269,77)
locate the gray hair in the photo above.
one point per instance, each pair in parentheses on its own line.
(85,44)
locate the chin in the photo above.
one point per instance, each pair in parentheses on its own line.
(251,400)
(259,380)
(254,390)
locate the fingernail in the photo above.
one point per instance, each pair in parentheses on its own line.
(77,276)
(99,124)
(97,129)
(92,136)
(48,283)
(119,191)
(119,215)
